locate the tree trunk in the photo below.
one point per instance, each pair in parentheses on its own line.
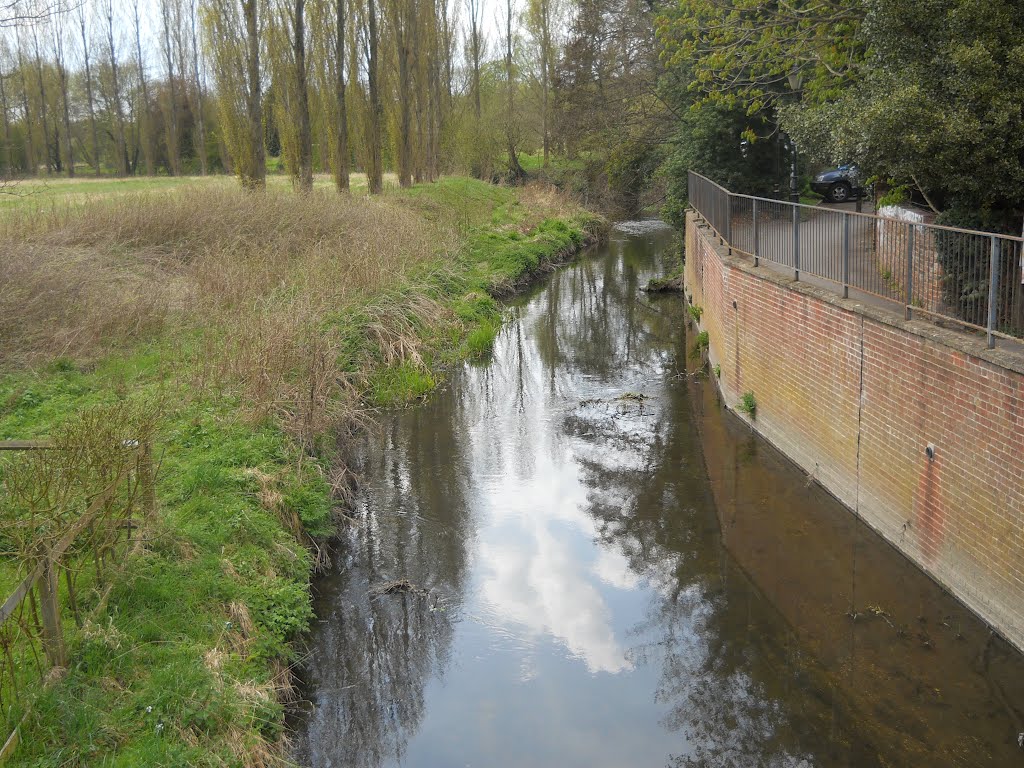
(545,73)
(8,160)
(475,45)
(62,74)
(341,167)
(402,24)
(256,174)
(515,170)
(375,173)
(305,130)
(42,108)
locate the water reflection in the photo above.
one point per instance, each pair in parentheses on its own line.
(614,573)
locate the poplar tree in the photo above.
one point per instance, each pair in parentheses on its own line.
(375,171)
(305,135)
(341,160)
(197,90)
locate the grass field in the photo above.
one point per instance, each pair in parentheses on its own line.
(255,330)
(44,192)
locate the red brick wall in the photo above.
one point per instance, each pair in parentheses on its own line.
(854,397)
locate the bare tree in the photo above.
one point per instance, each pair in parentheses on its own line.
(50,164)
(90,100)
(62,79)
(31,161)
(170,16)
(5,106)
(515,170)
(115,84)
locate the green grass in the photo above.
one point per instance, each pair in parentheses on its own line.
(181,668)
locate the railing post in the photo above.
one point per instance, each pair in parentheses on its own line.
(846,255)
(49,607)
(910,270)
(757,241)
(728,221)
(993,288)
(796,242)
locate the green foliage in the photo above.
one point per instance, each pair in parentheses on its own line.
(748,405)
(696,312)
(708,140)
(703,340)
(938,99)
(717,370)
(743,52)
(896,195)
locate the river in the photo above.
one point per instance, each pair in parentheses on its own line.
(572,555)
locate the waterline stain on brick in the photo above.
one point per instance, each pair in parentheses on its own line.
(853,394)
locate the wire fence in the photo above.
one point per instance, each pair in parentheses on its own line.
(974,279)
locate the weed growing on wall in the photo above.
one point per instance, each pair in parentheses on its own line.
(748,405)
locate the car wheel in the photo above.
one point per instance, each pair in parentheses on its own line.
(840,192)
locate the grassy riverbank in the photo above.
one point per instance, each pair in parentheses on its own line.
(257,329)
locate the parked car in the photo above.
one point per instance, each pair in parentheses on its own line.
(839,184)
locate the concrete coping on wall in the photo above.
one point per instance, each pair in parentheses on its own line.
(958,340)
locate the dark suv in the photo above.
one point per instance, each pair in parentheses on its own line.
(839,184)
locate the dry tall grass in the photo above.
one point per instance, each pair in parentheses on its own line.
(252,277)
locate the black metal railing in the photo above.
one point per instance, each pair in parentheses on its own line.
(975,279)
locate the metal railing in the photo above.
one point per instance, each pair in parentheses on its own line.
(974,279)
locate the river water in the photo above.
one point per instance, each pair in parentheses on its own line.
(603,568)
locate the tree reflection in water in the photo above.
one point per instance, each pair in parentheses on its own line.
(585,472)
(371,655)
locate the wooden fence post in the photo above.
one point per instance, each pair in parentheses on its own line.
(49,604)
(148,479)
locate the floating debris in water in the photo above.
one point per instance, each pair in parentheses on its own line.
(641,226)
(637,397)
(399,586)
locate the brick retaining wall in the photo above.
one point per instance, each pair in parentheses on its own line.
(854,395)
